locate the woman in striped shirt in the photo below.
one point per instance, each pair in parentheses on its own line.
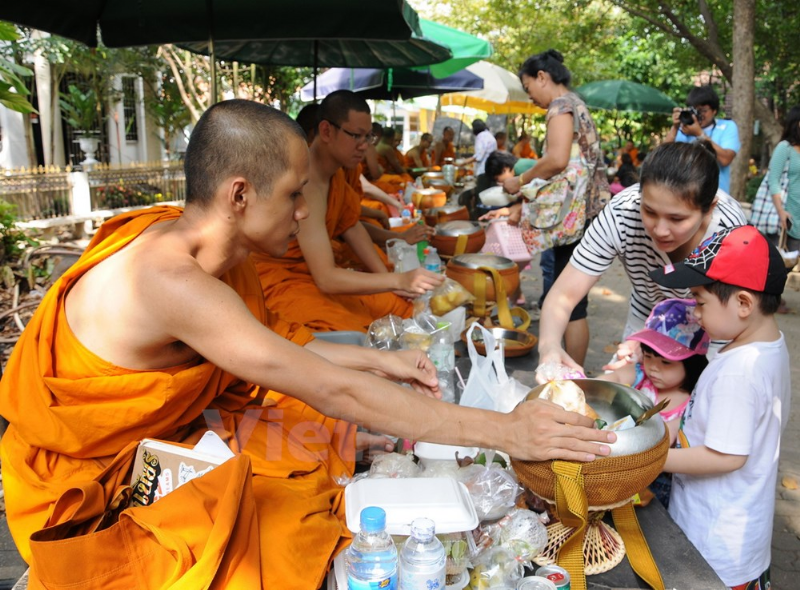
(648,225)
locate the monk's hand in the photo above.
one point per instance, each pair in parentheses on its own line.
(542,431)
(414,283)
(417,233)
(412,367)
(383,219)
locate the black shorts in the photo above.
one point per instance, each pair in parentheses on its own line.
(562,256)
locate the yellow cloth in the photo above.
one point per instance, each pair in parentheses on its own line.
(71,413)
(289,287)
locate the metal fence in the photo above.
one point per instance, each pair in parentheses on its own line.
(37,193)
(136,185)
(45,192)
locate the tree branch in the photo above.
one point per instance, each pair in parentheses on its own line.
(170,59)
(711,24)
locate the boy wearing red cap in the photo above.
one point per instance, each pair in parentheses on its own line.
(726,464)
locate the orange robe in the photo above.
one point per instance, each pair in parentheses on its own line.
(290,290)
(449,151)
(391,182)
(423,156)
(71,413)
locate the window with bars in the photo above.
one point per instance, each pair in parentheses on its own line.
(129,108)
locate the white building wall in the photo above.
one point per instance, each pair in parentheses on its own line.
(13,152)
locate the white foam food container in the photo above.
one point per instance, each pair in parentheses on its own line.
(431,452)
(442,499)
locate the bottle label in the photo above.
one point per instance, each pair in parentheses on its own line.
(433,267)
(389,583)
(422,581)
(442,357)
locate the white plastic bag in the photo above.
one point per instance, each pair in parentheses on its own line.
(489,387)
(495,196)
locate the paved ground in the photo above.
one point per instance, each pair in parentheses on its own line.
(607,312)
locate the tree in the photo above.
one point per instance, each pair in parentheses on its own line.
(12,88)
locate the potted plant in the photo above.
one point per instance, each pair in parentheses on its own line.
(82,113)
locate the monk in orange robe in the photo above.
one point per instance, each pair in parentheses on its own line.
(309,285)
(522,149)
(444,148)
(417,156)
(159,331)
(395,176)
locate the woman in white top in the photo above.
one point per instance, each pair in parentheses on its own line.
(648,225)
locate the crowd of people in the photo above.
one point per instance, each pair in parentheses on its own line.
(281,238)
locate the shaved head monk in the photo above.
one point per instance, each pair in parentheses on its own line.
(309,285)
(160,330)
(444,148)
(417,156)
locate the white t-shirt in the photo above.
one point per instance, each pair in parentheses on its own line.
(618,231)
(740,406)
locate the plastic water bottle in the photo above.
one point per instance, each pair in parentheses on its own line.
(372,557)
(422,245)
(409,192)
(443,355)
(432,261)
(405,214)
(422,559)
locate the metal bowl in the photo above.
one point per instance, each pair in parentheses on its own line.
(458,228)
(479,260)
(446,210)
(612,402)
(515,342)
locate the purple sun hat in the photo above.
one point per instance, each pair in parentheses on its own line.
(673,331)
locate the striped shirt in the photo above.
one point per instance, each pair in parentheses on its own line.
(618,231)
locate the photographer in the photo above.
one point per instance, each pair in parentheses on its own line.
(699,121)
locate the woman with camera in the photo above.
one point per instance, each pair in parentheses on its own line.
(546,80)
(699,121)
(647,226)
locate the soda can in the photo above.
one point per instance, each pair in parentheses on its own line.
(558,575)
(535,583)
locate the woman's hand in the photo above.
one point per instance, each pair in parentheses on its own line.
(555,356)
(786,219)
(512,185)
(514,214)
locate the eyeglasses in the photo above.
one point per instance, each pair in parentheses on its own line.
(358,137)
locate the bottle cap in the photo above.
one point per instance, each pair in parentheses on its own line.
(442,325)
(373,519)
(422,529)
(427,250)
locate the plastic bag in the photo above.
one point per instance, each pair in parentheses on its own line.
(496,568)
(393,465)
(384,333)
(553,371)
(495,196)
(523,533)
(489,387)
(449,295)
(493,490)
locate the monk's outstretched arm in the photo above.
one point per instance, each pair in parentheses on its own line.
(211,318)
(373,192)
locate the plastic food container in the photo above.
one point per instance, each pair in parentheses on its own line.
(429,453)
(442,499)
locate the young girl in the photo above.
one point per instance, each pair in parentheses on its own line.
(674,347)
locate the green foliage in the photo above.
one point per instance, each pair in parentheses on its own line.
(14,240)
(81,108)
(752,188)
(12,88)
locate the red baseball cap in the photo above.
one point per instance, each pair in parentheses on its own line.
(738,256)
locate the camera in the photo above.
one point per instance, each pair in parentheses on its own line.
(687,116)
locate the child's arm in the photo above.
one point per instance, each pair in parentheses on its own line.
(625,375)
(702,461)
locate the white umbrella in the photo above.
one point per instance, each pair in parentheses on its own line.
(502,92)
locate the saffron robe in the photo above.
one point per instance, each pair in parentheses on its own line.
(71,413)
(292,293)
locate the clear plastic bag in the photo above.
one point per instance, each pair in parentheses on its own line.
(384,333)
(496,568)
(494,490)
(523,533)
(495,196)
(394,465)
(449,295)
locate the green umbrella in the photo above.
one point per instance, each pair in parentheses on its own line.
(126,23)
(622,95)
(466,48)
